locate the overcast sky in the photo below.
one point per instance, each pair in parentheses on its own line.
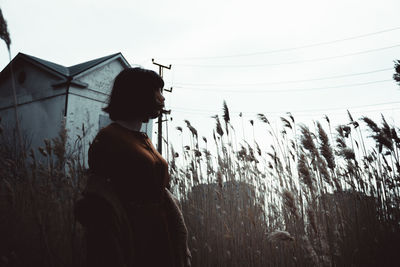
(307,57)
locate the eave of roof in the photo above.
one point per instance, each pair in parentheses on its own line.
(53,66)
(79,68)
(68,72)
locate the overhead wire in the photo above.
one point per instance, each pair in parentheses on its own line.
(291,62)
(285,82)
(289,48)
(284,90)
(182,85)
(293,111)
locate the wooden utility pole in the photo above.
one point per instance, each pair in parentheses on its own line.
(160,120)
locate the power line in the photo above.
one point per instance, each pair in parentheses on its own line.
(292,62)
(179,109)
(310,114)
(290,48)
(286,82)
(284,90)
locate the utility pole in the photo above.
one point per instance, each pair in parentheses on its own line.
(160,120)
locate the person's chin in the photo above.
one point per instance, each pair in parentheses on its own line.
(155,115)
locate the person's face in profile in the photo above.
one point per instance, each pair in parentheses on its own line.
(158,103)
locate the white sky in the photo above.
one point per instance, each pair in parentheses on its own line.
(194,36)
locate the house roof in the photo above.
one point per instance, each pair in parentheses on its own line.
(76,69)
(72,70)
(56,67)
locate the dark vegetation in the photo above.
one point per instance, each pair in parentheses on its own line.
(313,198)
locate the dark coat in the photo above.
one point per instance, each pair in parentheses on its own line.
(130,216)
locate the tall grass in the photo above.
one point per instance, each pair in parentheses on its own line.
(310,198)
(38,191)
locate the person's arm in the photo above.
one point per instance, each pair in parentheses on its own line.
(95,211)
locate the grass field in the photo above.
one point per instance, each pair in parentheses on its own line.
(316,196)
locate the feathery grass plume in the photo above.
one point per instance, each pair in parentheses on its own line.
(348,153)
(4,34)
(371,124)
(385,127)
(307,140)
(325,147)
(340,143)
(290,116)
(380,135)
(396,75)
(218,128)
(172,162)
(290,202)
(242,153)
(395,137)
(346,130)
(251,156)
(262,118)
(327,119)
(304,171)
(340,139)
(324,172)
(47,145)
(386,134)
(207,153)
(197,153)
(191,128)
(350,117)
(42,151)
(286,123)
(279,235)
(258,149)
(226,116)
(59,144)
(352,121)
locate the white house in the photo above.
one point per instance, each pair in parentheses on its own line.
(48,94)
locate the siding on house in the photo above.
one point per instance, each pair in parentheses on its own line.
(40,106)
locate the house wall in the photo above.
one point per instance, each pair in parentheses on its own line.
(40,107)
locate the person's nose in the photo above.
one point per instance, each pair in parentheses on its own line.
(161,98)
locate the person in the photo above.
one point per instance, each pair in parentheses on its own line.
(130,216)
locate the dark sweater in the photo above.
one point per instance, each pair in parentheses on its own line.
(130,216)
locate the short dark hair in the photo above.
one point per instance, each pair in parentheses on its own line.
(132,94)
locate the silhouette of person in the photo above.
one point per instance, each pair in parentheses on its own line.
(130,216)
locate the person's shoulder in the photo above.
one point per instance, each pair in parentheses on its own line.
(109,132)
(104,136)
